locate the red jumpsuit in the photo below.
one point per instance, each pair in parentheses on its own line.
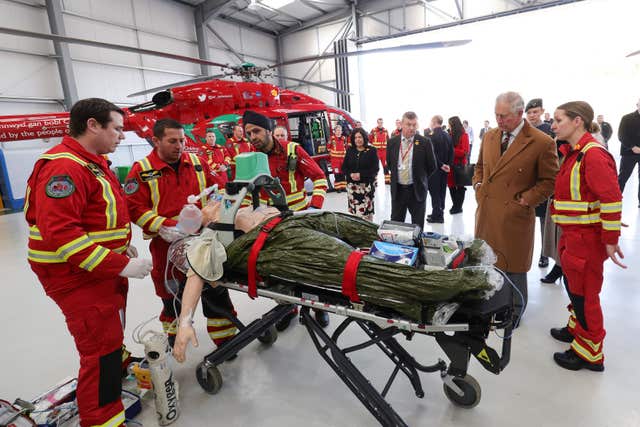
(156,194)
(235,147)
(217,157)
(378,137)
(79,232)
(293,181)
(337,151)
(587,206)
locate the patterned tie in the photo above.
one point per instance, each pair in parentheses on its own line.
(505,143)
(404,160)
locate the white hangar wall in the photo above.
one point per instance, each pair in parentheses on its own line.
(30,82)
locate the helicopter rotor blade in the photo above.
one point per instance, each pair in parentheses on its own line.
(633,54)
(172,85)
(307,82)
(430,45)
(64,39)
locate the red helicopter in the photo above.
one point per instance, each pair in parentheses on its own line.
(210,102)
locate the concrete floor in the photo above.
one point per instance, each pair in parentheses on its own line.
(289,384)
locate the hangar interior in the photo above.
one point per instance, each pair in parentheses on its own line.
(288,383)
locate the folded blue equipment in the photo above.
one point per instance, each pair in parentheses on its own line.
(392,252)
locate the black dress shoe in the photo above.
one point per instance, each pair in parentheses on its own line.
(322,317)
(570,360)
(553,275)
(429,216)
(435,220)
(562,334)
(283,323)
(543,262)
(455,211)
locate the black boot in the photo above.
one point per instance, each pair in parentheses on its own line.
(570,360)
(553,275)
(562,334)
(283,323)
(543,262)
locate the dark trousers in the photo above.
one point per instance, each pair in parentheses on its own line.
(406,200)
(519,301)
(627,163)
(438,192)
(457,197)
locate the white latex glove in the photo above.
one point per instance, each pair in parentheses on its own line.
(170,234)
(132,252)
(137,268)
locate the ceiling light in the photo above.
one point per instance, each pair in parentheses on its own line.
(276,4)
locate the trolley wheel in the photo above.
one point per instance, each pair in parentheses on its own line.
(209,378)
(470,389)
(270,336)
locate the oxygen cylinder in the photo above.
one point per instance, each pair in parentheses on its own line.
(156,348)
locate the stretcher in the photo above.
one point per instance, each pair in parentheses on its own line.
(461,334)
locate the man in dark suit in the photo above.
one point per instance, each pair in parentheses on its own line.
(629,136)
(411,161)
(443,149)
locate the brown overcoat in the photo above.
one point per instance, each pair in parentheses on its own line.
(527,169)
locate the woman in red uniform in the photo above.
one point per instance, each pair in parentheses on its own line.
(587,206)
(460,141)
(337,150)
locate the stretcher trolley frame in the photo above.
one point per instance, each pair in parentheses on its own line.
(469,326)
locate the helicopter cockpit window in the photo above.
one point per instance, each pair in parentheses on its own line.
(338,120)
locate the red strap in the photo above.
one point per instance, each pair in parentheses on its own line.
(457,261)
(252,272)
(349,276)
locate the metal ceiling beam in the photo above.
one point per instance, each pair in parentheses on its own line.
(334,16)
(224,42)
(438,11)
(382,21)
(460,6)
(526,9)
(213,8)
(201,38)
(65,63)
(244,24)
(313,6)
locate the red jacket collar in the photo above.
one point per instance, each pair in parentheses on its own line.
(158,164)
(586,138)
(77,148)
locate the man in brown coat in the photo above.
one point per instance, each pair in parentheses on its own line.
(515,172)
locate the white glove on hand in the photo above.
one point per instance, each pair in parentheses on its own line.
(132,252)
(170,234)
(137,268)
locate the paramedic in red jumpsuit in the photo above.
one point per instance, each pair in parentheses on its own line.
(157,188)
(337,151)
(289,162)
(217,157)
(79,234)
(378,137)
(587,206)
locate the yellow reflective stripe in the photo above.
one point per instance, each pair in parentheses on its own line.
(574,205)
(202,181)
(575,181)
(25,208)
(295,196)
(298,206)
(96,257)
(73,247)
(45,257)
(611,225)
(34,233)
(612,207)
(595,347)
(153,185)
(170,327)
(578,219)
(155,225)
(572,323)
(108,235)
(223,334)
(321,181)
(115,421)
(144,218)
(291,153)
(121,249)
(586,354)
(218,322)
(110,211)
